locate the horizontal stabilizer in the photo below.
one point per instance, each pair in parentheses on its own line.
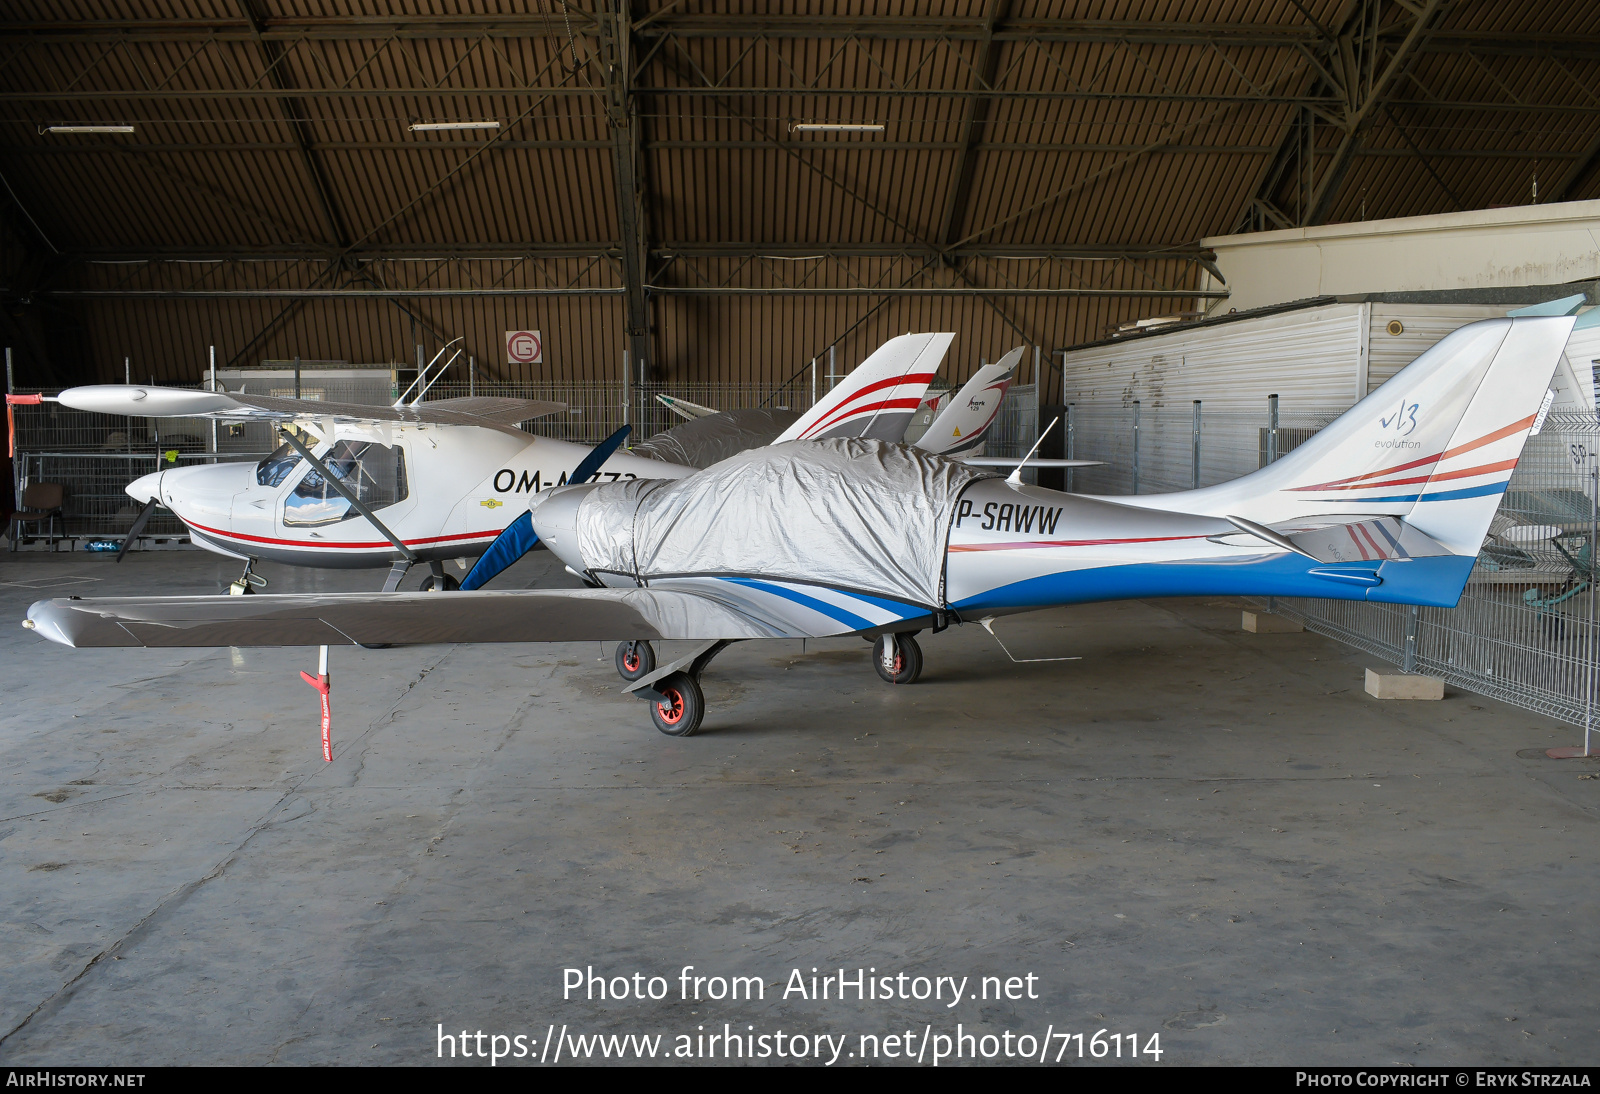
(1016,461)
(684,408)
(1334,541)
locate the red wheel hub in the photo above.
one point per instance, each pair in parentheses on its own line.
(672,709)
(630,661)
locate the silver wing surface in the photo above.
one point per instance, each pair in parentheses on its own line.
(136,400)
(521,615)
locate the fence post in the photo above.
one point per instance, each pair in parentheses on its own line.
(11,440)
(1071,482)
(832,379)
(627,388)
(297,373)
(1272,429)
(813,381)
(1195,477)
(472,376)
(213,388)
(1136,446)
(1408,655)
(1594,527)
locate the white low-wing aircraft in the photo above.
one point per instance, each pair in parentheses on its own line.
(857,536)
(428,482)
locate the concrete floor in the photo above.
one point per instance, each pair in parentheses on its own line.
(1192,831)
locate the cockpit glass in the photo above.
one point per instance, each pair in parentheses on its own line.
(374,473)
(276,467)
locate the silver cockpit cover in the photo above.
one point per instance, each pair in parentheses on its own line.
(857,514)
(715,437)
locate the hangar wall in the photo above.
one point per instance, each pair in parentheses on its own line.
(744,339)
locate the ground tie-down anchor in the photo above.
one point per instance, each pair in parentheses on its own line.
(320,682)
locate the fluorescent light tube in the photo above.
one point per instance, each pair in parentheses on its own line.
(433,127)
(88,129)
(836,127)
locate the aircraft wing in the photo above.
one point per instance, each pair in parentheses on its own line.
(137,400)
(521,615)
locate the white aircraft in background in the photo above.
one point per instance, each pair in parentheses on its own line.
(957,424)
(1389,503)
(428,482)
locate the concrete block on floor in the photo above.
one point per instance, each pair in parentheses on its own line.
(1394,684)
(1267,623)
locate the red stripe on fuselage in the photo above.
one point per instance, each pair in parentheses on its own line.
(1022,545)
(361,546)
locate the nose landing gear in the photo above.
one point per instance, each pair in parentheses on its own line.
(439,581)
(248,582)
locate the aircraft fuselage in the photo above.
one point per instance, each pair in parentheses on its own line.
(446,492)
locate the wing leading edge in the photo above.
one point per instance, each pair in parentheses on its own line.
(486,412)
(521,615)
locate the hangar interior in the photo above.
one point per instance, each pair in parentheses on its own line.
(1212,227)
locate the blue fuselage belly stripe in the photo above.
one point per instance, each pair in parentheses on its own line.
(832,611)
(1436,580)
(1443,495)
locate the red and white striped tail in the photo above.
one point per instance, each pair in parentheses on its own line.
(878,399)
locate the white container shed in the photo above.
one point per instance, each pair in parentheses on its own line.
(1132,400)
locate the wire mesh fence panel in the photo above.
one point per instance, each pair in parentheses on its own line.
(96,503)
(1104,434)
(1525,629)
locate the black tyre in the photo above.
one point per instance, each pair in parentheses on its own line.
(685,705)
(898,658)
(447,583)
(635,660)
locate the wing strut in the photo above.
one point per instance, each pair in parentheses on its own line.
(348,495)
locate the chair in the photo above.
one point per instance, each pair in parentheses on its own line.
(42,502)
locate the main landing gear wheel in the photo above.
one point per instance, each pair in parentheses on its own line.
(635,660)
(898,658)
(683,706)
(446,583)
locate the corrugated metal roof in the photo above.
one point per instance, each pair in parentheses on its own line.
(1116,124)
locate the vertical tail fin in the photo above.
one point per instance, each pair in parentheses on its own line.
(1435,445)
(963,425)
(878,399)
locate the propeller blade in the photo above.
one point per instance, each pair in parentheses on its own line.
(519,537)
(138,526)
(517,540)
(590,467)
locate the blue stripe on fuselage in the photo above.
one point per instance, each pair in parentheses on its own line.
(1435,581)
